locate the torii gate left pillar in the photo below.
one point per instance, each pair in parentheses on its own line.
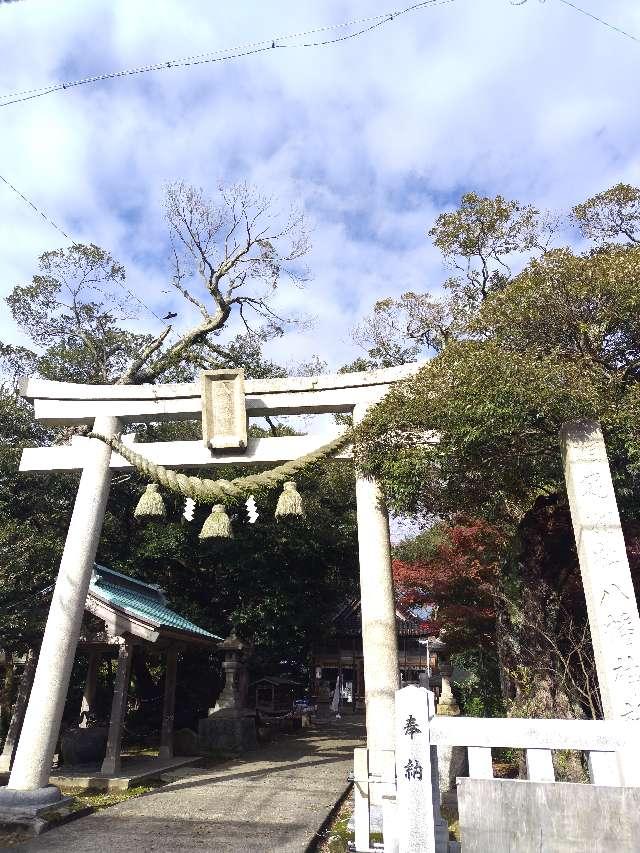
(32,763)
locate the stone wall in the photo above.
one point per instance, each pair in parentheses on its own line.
(512,816)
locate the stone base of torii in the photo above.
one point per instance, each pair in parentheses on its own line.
(612,608)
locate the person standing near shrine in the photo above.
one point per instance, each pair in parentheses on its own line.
(335,703)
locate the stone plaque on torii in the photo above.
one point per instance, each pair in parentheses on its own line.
(224,415)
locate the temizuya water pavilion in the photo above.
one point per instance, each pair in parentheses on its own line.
(225,401)
(124,618)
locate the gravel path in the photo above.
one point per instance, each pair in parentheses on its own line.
(273,799)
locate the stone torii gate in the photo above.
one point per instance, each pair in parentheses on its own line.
(224,400)
(611,603)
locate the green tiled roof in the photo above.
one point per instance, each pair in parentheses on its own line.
(145,601)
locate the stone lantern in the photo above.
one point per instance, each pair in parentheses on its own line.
(234,694)
(447,705)
(231,726)
(452,760)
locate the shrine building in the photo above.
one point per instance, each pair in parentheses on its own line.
(341,654)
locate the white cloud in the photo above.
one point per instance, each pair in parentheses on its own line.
(374,135)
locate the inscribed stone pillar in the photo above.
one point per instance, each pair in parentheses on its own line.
(34,755)
(379,636)
(19,709)
(421,827)
(169,706)
(111,763)
(89,692)
(611,601)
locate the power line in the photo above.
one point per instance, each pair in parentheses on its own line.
(41,592)
(584,12)
(225,54)
(54,224)
(248,49)
(600,20)
(37,210)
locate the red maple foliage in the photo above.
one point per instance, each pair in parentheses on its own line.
(458,582)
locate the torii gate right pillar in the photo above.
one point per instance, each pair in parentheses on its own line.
(379,632)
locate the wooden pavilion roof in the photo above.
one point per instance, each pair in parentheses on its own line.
(128,605)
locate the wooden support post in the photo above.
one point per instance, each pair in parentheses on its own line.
(41,726)
(168,708)
(19,710)
(89,693)
(111,763)
(6,691)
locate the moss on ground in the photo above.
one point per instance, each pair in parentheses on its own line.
(136,749)
(451,817)
(95,799)
(89,799)
(337,837)
(10,836)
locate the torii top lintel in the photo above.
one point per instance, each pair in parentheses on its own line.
(69,404)
(66,403)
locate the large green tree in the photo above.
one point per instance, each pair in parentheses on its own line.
(277,582)
(228,257)
(525,336)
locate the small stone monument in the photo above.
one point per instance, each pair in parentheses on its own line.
(421,827)
(231,726)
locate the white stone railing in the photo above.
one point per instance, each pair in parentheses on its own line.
(601,740)
(374,778)
(403,784)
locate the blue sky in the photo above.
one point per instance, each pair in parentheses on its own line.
(374,137)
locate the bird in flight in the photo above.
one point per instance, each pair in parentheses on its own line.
(170,315)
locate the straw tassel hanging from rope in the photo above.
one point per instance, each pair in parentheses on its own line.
(217,524)
(290,501)
(151,505)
